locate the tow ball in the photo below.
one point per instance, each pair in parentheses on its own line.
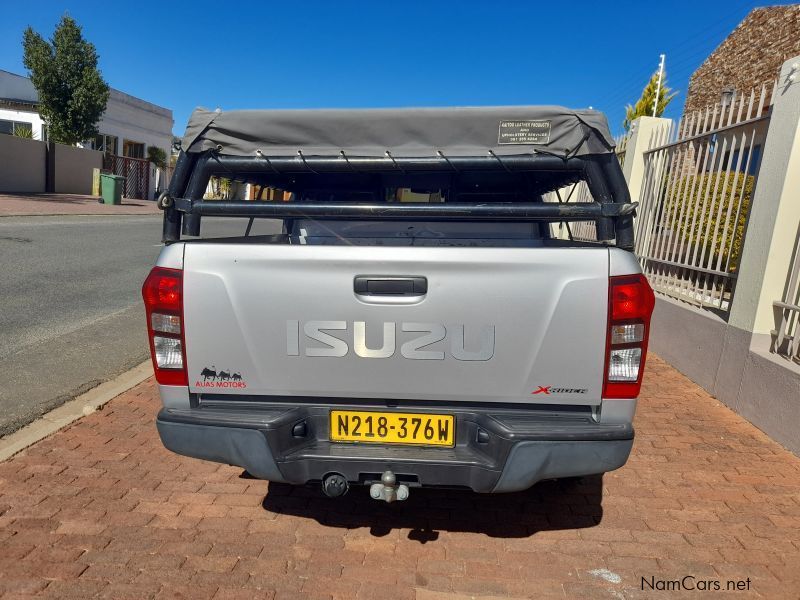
(388,490)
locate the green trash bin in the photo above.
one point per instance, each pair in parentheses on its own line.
(111,187)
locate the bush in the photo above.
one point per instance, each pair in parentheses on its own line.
(157,156)
(24,130)
(706,192)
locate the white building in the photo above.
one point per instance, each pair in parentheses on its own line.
(18,102)
(127,128)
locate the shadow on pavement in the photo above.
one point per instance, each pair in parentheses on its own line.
(549,505)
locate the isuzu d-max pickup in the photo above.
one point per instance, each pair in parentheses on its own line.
(421,319)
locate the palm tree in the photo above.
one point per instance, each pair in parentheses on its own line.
(644,105)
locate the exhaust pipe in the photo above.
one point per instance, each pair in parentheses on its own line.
(388,490)
(334,485)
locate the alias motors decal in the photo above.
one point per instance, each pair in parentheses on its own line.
(549,389)
(211,378)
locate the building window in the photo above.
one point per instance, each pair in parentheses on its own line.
(106,143)
(741,164)
(20,128)
(132,149)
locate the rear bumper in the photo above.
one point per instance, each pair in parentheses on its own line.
(496,450)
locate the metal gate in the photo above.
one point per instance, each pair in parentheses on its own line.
(136,172)
(695,201)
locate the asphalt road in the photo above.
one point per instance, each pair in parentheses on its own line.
(71,314)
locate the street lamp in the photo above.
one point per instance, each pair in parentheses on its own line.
(728,94)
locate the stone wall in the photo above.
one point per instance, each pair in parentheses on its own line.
(751,55)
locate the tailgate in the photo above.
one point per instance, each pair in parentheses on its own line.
(494,325)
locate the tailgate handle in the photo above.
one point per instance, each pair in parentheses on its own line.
(372,285)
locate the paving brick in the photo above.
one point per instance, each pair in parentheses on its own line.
(54,554)
(175,576)
(238,550)
(179,522)
(237,499)
(190,499)
(217,564)
(150,562)
(227,593)
(276,566)
(164,509)
(337,588)
(129,519)
(130,591)
(92,557)
(377,593)
(179,486)
(205,510)
(240,487)
(176,591)
(211,579)
(27,585)
(229,525)
(74,588)
(108,572)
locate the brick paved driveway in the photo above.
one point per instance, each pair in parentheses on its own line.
(102,509)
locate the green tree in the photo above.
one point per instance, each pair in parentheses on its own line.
(72,92)
(644,105)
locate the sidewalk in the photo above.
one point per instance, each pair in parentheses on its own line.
(69,204)
(101,509)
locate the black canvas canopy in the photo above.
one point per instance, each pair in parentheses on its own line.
(404,133)
(485,163)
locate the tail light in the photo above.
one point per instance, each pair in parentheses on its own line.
(630,305)
(163,301)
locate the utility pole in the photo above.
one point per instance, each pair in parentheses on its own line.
(658,85)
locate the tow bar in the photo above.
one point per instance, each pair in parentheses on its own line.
(334,485)
(388,490)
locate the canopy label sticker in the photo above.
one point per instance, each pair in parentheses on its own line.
(524,132)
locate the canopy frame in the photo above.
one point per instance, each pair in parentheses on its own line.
(611,210)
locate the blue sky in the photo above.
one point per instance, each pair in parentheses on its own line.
(373,54)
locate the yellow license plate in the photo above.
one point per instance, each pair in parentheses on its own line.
(392,428)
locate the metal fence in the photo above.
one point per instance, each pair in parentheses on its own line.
(622,148)
(136,172)
(585,231)
(695,200)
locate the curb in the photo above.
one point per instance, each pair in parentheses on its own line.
(71,411)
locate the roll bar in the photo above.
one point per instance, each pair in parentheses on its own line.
(184,206)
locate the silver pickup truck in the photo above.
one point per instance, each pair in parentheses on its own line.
(422,319)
